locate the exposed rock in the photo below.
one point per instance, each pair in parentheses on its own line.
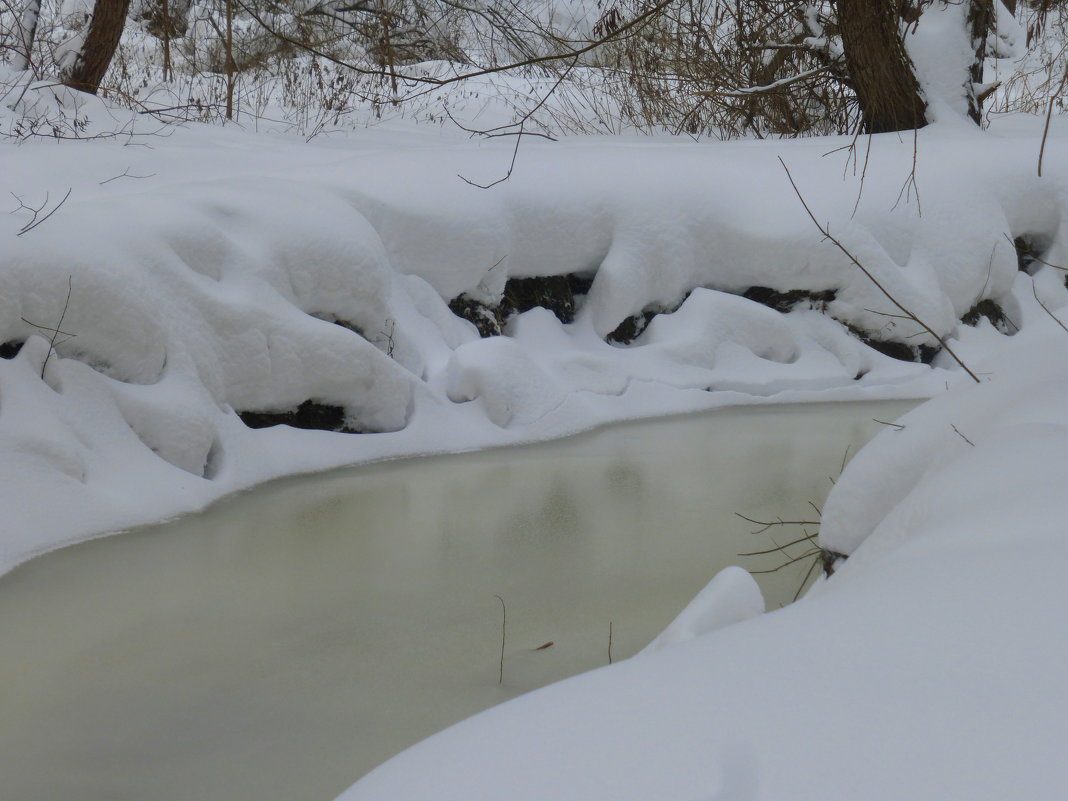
(1028,252)
(557,293)
(631,328)
(993,312)
(902,351)
(831,561)
(550,292)
(791,299)
(309,415)
(487,319)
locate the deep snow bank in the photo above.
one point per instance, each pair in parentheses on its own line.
(929,666)
(212,273)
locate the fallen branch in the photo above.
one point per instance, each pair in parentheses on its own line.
(34,221)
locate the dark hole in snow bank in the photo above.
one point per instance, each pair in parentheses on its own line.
(9,350)
(632,328)
(901,351)
(1029,250)
(309,415)
(580,283)
(347,325)
(791,299)
(993,312)
(350,326)
(557,293)
(550,292)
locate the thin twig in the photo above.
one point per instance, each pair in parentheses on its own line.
(1045,308)
(781,548)
(795,560)
(1049,116)
(961,435)
(808,575)
(507,175)
(504,634)
(34,222)
(125,174)
(57,330)
(1036,258)
(766,525)
(617,34)
(898,426)
(823,230)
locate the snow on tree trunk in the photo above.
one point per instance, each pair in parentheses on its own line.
(94,57)
(908,60)
(27,33)
(947,46)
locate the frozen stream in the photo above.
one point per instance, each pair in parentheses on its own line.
(285,642)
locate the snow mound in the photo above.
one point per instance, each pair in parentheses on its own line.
(216,281)
(731,597)
(954,592)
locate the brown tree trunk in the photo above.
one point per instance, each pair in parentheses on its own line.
(93,60)
(879,68)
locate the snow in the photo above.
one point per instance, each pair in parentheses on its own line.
(928,666)
(731,597)
(197,272)
(207,268)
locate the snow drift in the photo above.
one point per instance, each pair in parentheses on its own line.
(197,281)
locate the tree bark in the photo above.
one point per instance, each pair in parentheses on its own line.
(94,58)
(981,18)
(879,68)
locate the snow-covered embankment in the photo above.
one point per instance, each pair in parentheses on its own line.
(205,277)
(931,665)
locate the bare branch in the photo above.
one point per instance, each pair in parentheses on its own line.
(36,219)
(823,230)
(126,174)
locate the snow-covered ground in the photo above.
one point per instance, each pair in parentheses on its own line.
(930,666)
(193,273)
(198,272)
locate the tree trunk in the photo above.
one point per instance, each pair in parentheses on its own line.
(94,58)
(879,68)
(981,18)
